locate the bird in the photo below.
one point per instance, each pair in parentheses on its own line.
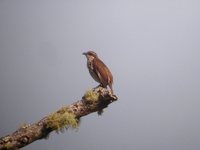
(98,70)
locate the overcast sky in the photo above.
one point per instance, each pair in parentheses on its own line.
(152,48)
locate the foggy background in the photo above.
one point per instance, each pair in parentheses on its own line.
(152,48)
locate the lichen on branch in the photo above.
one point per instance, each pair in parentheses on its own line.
(62,119)
(94,100)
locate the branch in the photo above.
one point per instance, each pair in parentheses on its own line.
(94,100)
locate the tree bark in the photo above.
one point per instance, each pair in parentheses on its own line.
(94,100)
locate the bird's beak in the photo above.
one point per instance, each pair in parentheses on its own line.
(84,53)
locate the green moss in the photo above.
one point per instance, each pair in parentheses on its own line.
(62,119)
(7,145)
(91,96)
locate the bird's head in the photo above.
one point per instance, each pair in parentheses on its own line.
(90,54)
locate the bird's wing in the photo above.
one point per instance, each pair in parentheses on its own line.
(103,72)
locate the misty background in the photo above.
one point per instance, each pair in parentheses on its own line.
(152,48)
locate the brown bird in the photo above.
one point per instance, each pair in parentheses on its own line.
(98,70)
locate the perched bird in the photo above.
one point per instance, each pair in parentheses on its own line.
(98,70)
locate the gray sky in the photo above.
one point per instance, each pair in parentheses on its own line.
(152,48)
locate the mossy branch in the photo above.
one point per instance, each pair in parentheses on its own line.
(94,100)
